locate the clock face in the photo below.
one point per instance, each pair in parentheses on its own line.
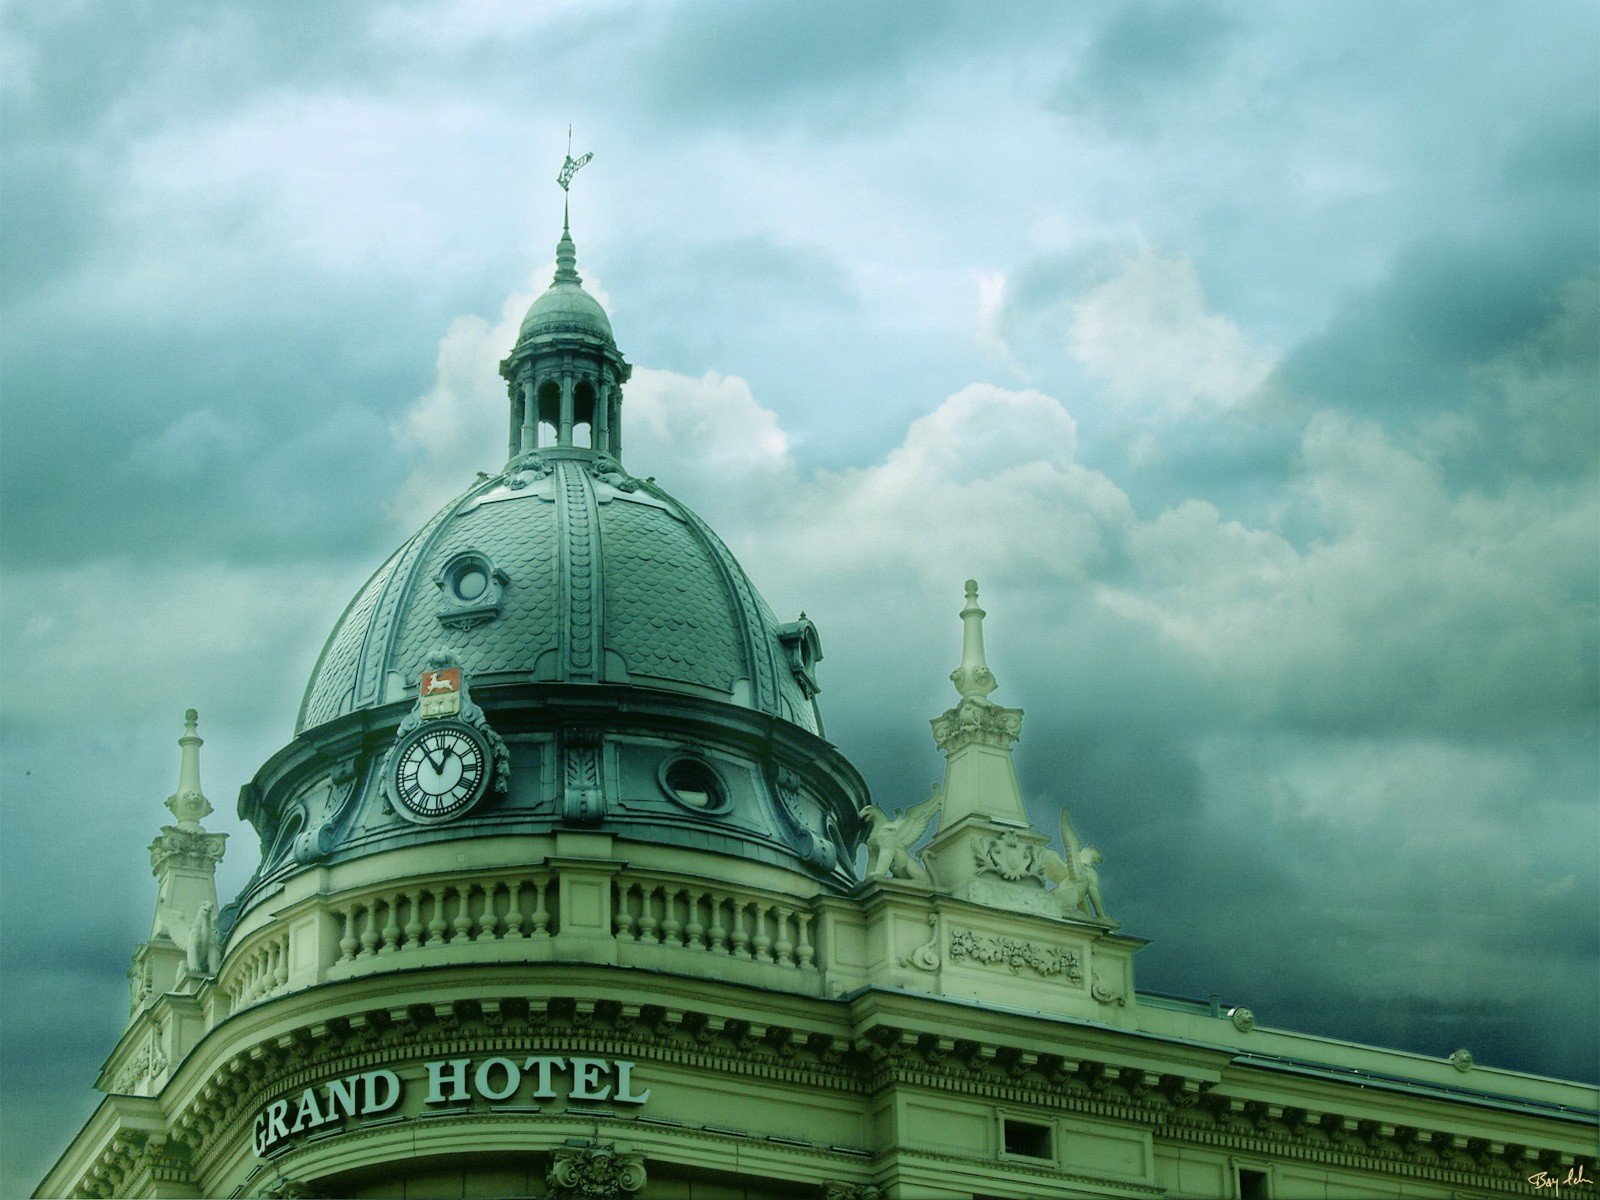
(440,771)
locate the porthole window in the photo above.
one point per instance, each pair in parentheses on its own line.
(695,785)
(471,588)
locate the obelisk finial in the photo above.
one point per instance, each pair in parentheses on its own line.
(973,677)
(189,803)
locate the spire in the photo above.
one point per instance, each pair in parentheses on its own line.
(189,803)
(566,252)
(972,678)
(976,735)
(183,944)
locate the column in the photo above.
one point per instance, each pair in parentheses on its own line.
(564,436)
(602,425)
(530,415)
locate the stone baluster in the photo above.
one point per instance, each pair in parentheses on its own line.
(647,919)
(489,921)
(762,943)
(805,952)
(436,924)
(414,920)
(391,925)
(741,938)
(693,931)
(670,925)
(281,975)
(719,935)
(622,919)
(514,909)
(541,915)
(347,943)
(369,929)
(462,925)
(783,948)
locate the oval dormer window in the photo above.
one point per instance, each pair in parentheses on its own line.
(695,785)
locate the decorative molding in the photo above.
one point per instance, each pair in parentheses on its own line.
(851,1191)
(1015,954)
(178,847)
(583,800)
(976,720)
(594,1172)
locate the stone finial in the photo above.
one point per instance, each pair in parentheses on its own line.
(189,803)
(972,678)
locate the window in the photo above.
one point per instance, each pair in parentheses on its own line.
(693,784)
(1027,1140)
(1253,1185)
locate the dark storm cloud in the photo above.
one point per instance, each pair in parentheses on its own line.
(1335,736)
(1140,53)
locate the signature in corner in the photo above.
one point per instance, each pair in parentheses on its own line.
(1573,1178)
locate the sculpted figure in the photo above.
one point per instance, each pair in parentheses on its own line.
(889,839)
(1077,881)
(202,949)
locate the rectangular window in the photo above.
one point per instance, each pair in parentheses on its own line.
(1027,1140)
(1253,1185)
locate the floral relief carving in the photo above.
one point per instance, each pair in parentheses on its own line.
(1014,955)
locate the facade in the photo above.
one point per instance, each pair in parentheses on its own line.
(558,896)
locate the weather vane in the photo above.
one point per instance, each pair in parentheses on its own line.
(571,166)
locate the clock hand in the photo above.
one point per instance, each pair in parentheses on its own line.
(438,767)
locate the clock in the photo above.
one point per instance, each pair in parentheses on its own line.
(440,771)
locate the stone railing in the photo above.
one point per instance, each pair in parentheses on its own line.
(260,971)
(564,910)
(714,920)
(445,913)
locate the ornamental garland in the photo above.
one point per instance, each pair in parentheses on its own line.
(1014,954)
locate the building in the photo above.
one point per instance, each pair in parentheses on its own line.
(558,896)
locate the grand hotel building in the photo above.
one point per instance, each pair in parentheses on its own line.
(559,896)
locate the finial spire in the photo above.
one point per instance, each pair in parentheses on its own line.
(189,803)
(566,252)
(972,678)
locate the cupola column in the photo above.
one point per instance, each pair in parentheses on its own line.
(530,416)
(615,404)
(601,435)
(564,437)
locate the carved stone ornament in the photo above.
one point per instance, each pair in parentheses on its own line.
(1009,857)
(186,848)
(525,469)
(926,956)
(594,1173)
(810,845)
(1243,1019)
(851,1191)
(583,798)
(976,720)
(290,1189)
(1014,954)
(607,470)
(1106,993)
(1462,1061)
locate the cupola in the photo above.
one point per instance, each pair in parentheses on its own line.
(565,374)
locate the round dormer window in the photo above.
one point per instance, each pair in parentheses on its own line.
(470,582)
(693,784)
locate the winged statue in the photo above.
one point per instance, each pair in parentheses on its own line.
(1077,880)
(889,839)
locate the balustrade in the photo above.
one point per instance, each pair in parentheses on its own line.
(445,914)
(713,920)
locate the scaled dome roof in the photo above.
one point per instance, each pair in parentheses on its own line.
(561,569)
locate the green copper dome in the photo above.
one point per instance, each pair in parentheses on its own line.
(565,307)
(564,571)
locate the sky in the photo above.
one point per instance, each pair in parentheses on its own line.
(1246,353)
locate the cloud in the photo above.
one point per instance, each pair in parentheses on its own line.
(1147,333)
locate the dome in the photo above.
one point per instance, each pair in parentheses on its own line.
(566,308)
(563,569)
